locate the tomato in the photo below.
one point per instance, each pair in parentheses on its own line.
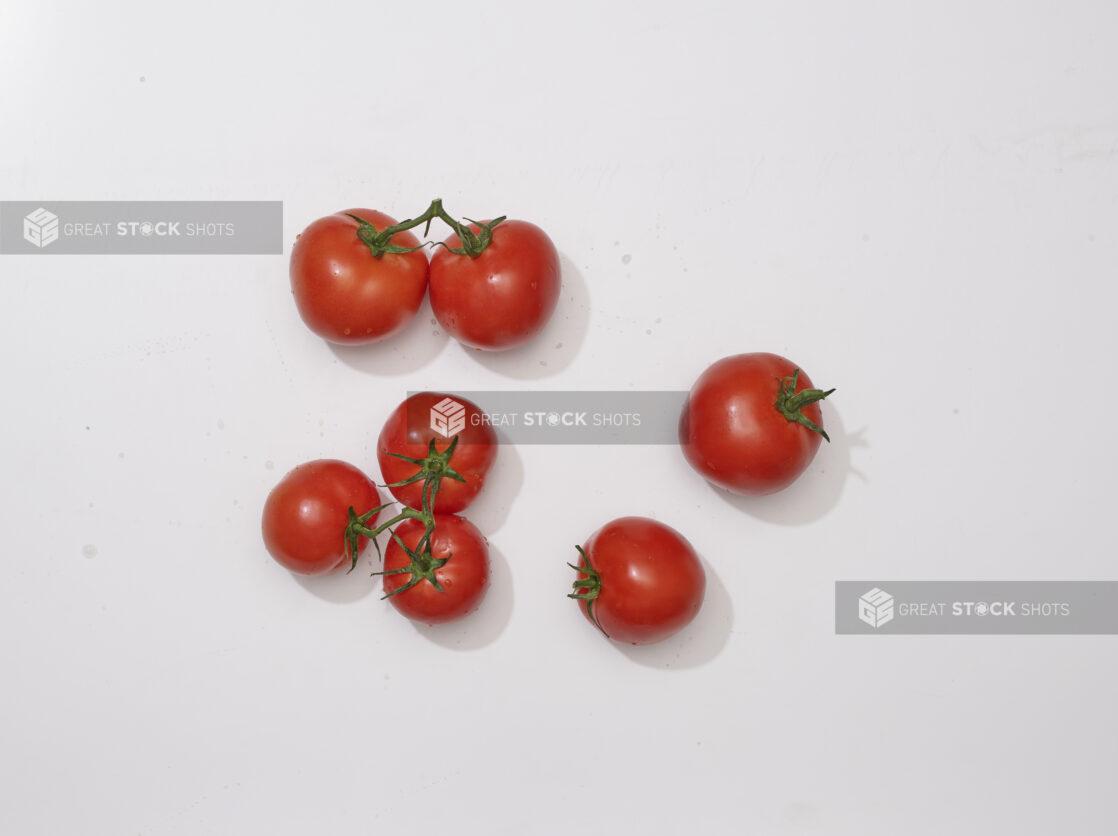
(408,432)
(305,515)
(504,296)
(752,423)
(639,580)
(458,560)
(343,292)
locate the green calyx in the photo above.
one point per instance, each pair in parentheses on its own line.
(379,242)
(587,589)
(358,527)
(789,402)
(433,468)
(474,244)
(422,567)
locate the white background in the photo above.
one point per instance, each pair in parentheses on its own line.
(918,203)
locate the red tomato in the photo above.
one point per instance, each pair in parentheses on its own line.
(503,297)
(752,423)
(305,515)
(343,292)
(458,561)
(639,580)
(408,432)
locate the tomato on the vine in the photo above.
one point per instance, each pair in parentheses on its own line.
(501,297)
(306,515)
(344,291)
(410,449)
(444,582)
(752,423)
(639,581)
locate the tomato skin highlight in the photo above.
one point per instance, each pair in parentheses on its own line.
(408,432)
(503,297)
(652,581)
(305,515)
(464,577)
(343,293)
(732,434)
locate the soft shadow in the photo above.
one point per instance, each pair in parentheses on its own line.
(347,588)
(554,348)
(817,491)
(502,485)
(697,643)
(420,343)
(483,626)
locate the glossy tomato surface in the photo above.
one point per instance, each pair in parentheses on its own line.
(306,514)
(345,294)
(409,431)
(651,581)
(732,433)
(464,577)
(503,297)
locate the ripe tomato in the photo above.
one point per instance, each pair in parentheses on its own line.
(503,297)
(458,561)
(343,292)
(639,580)
(305,515)
(408,432)
(752,423)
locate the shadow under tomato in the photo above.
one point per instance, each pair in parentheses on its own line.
(700,641)
(483,626)
(412,349)
(557,345)
(347,588)
(503,484)
(817,492)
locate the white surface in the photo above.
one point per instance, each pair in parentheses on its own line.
(916,202)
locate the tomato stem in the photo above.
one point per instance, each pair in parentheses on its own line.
(379,242)
(789,402)
(423,565)
(587,589)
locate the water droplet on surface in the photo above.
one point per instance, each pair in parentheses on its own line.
(625,259)
(89,551)
(268,465)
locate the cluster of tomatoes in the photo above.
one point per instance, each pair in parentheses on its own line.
(323,514)
(751,425)
(359,277)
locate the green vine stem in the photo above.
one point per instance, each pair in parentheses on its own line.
(432,469)
(379,242)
